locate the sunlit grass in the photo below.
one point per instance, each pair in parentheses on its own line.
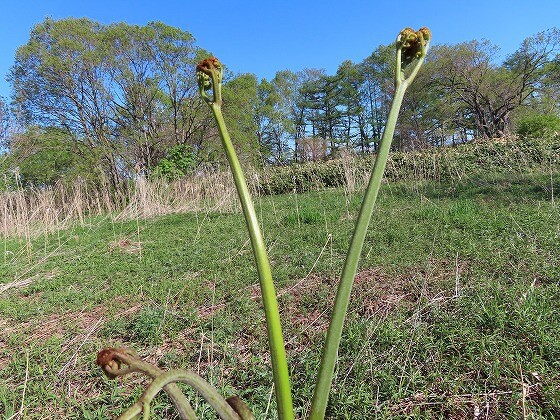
(455,307)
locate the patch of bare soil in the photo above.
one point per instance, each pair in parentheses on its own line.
(125,245)
(486,405)
(77,326)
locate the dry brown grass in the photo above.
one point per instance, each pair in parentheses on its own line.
(205,192)
(30,213)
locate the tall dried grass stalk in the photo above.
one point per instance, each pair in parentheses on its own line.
(205,192)
(30,213)
(350,171)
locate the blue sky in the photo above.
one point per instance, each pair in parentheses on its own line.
(264,37)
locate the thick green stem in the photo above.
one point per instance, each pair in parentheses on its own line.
(411,48)
(324,380)
(276,341)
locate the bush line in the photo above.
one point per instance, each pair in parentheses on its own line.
(444,164)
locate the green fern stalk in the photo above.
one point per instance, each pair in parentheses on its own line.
(209,73)
(411,49)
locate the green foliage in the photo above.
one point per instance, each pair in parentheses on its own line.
(477,95)
(8,179)
(150,324)
(442,163)
(301,177)
(240,97)
(538,126)
(138,99)
(5,122)
(124,92)
(272,116)
(41,157)
(180,161)
(305,216)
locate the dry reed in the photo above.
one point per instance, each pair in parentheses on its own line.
(30,213)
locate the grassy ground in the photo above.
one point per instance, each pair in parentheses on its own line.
(455,311)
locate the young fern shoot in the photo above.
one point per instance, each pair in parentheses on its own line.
(209,73)
(121,362)
(411,49)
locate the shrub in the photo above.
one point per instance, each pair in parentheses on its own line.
(180,161)
(448,163)
(537,126)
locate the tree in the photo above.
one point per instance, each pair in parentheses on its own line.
(44,156)
(290,104)
(276,102)
(429,115)
(59,79)
(240,102)
(5,121)
(490,92)
(351,79)
(126,93)
(155,100)
(377,90)
(321,99)
(269,131)
(281,114)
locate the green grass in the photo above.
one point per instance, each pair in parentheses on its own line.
(456,307)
